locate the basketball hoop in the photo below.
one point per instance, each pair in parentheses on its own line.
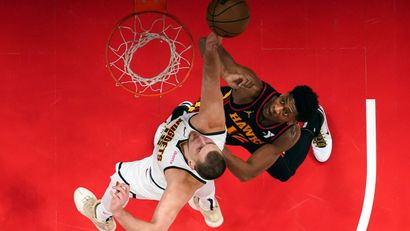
(149,53)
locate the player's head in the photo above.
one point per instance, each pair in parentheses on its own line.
(305,101)
(298,105)
(205,156)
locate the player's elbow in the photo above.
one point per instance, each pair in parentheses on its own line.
(245,179)
(282,176)
(157,226)
(216,124)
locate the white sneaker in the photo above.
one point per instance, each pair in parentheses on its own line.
(322,143)
(213,217)
(86,203)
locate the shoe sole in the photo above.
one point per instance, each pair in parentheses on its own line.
(329,144)
(79,195)
(215,224)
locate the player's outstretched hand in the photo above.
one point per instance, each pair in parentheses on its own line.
(212,65)
(120,196)
(213,41)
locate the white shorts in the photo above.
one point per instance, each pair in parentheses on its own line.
(137,175)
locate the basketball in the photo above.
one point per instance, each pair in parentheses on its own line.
(228,18)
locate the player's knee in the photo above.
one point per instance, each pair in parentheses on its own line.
(284,178)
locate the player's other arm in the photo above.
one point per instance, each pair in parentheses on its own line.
(180,188)
(262,158)
(211,116)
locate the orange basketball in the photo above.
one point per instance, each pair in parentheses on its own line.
(228,18)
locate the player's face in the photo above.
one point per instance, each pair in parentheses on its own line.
(281,109)
(199,145)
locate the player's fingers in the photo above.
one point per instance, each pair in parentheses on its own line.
(127,187)
(114,195)
(124,187)
(219,40)
(122,190)
(244,83)
(118,189)
(121,194)
(234,85)
(249,83)
(116,185)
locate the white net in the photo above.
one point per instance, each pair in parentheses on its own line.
(135,32)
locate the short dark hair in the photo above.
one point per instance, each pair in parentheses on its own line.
(306,102)
(212,167)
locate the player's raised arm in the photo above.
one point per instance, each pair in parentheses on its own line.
(211,116)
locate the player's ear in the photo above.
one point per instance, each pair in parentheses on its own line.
(191,164)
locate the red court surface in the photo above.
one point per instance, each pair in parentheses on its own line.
(65,124)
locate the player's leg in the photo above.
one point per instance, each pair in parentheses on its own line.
(131,173)
(103,210)
(314,133)
(286,166)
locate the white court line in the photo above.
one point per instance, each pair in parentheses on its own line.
(371,165)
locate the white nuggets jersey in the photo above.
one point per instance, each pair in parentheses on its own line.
(168,151)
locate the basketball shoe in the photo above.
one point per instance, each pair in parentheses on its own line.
(213,217)
(322,143)
(86,204)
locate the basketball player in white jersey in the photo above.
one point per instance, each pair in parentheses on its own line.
(186,158)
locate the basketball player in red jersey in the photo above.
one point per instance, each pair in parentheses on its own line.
(269,124)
